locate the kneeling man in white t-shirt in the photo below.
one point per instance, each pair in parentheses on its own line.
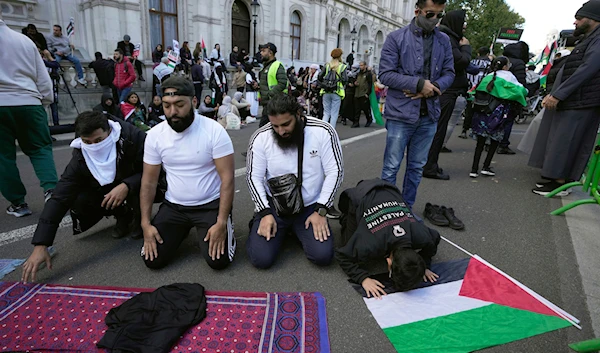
(197,155)
(272,171)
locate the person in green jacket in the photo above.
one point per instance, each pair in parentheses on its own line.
(272,78)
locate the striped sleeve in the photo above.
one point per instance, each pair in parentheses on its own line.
(331,160)
(256,169)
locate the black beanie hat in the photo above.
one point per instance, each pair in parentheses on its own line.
(591,10)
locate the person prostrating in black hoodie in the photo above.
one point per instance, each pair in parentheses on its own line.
(453,24)
(377,224)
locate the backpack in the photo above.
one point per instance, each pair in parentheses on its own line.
(330,81)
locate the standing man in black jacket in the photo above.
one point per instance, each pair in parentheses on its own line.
(518,54)
(105,73)
(453,24)
(103,178)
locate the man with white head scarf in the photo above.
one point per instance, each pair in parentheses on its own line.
(102,179)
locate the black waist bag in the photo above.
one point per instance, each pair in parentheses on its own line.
(286,190)
(485,103)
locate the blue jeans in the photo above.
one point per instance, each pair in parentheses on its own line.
(263,253)
(122,93)
(416,140)
(75,62)
(331,108)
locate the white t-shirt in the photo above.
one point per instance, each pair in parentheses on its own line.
(323,164)
(188,159)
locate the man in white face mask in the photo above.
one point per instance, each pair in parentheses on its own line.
(415,84)
(102,179)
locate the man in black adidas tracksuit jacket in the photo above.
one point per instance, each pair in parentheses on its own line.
(375,222)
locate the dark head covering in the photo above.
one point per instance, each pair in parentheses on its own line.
(591,10)
(455,21)
(268,45)
(183,86)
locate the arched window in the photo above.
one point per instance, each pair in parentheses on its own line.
(295,34)
(163,22)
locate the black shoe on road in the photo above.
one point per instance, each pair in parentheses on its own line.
(454,222)
(368,123)
(488,171)
(505,150)
(445,150)
(548,188)
(434,215)
(355,125)
(334,213)
(123,226)
(439,176)
(463,135)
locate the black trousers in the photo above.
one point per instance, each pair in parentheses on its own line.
(198,89)
(479,149)
(138,66)
(447,102)
(469,111)
(264,119)
(87,211)
(174,223)
(362,104)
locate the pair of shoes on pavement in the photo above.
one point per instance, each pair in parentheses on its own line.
(543,188)
(505,150)
(439,175)
(442,216)
(22,210)
(486,171)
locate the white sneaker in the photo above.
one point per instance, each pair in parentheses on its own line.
(82,81)
(250,120)
(473,175)
(488,172)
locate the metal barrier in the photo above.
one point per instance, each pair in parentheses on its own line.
(589,182)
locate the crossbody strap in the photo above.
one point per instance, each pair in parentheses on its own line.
(301,154)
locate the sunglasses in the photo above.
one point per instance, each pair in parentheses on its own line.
(430,15)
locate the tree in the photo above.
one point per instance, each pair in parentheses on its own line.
(484,19)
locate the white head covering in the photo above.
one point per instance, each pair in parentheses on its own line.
(101,158)
(238,96)
(314,66)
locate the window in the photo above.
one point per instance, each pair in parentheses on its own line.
(295,31)
(163,22)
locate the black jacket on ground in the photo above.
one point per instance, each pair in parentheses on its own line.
(77,177)
(154,322)
(113,110)
(452,25)
(105,71)
(375,221)
(518,53)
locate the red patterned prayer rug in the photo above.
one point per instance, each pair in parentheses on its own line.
(55,318)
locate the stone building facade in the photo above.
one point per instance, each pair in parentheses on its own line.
(305,31)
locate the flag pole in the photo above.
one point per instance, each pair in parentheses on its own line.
(456,246)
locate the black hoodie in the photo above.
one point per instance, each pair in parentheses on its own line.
(375,221)
(452,24)
(113,110)
(518,53)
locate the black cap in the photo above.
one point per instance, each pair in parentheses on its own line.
(269,46)
(183,87)
(590,9)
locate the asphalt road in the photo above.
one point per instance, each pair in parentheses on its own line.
(506,224)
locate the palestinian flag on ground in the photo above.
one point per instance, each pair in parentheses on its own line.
(484,308)
(506,86)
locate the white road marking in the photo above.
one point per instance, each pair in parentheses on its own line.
(27,232)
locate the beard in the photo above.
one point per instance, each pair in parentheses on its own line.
(183,123)
(293,140)
(581,29)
